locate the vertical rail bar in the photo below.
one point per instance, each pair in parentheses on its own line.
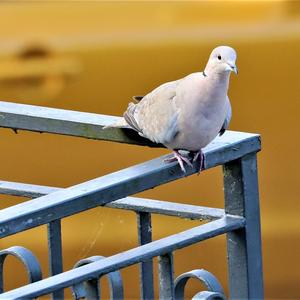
(55,253)
(166,277)
(93,290)
(244,245)
(146,268)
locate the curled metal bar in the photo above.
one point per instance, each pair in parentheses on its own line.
(91,290)
(27,258)
(215,290)
(209,296)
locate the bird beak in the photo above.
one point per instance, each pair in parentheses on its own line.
(232,67)
(235,70)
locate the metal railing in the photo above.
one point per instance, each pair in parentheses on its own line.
(240,220)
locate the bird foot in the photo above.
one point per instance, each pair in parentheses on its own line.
(196,156)
(181,159)
(199,155)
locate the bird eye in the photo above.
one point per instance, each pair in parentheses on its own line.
(219,57)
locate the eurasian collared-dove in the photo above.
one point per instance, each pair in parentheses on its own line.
(188,113)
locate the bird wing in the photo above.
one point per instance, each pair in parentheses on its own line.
(227,118)
(155,115)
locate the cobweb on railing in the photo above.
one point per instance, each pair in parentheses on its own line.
(91,239)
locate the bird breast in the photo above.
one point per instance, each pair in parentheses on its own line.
(201,115)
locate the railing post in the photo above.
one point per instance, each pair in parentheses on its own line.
(146,268)
(244,245)
(55,253)
(166,277)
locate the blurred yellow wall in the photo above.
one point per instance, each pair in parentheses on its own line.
(94,56)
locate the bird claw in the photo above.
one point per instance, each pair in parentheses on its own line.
(180,158)
(199,156)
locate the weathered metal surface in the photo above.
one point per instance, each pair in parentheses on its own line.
(116,185)
(241,221)
(55,252)
(127,258)
(209,296)
(67,122)
(179,210)
(146,267)
(208,279)
(90,289)
(186,211)
(25,190)
(166,276)
(244,245)
(30,262)
(89,125)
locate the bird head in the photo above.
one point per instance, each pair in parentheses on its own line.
(222,60)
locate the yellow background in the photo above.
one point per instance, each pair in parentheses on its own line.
(94,56)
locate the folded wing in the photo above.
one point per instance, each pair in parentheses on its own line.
(155,116)
(227,118)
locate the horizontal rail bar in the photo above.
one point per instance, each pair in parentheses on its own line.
(186,211)
(82,124)
(118,185)
(127,258)
(67,122)
(129,203)
(25,189)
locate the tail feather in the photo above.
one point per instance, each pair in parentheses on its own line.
(129,117)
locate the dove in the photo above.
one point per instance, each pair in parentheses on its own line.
(188,113)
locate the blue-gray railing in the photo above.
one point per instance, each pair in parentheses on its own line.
(240,220)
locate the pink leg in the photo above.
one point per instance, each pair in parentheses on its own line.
(180,158)
(199,155)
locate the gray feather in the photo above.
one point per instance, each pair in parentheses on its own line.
(227,119)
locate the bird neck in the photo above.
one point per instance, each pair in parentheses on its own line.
(217,78)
